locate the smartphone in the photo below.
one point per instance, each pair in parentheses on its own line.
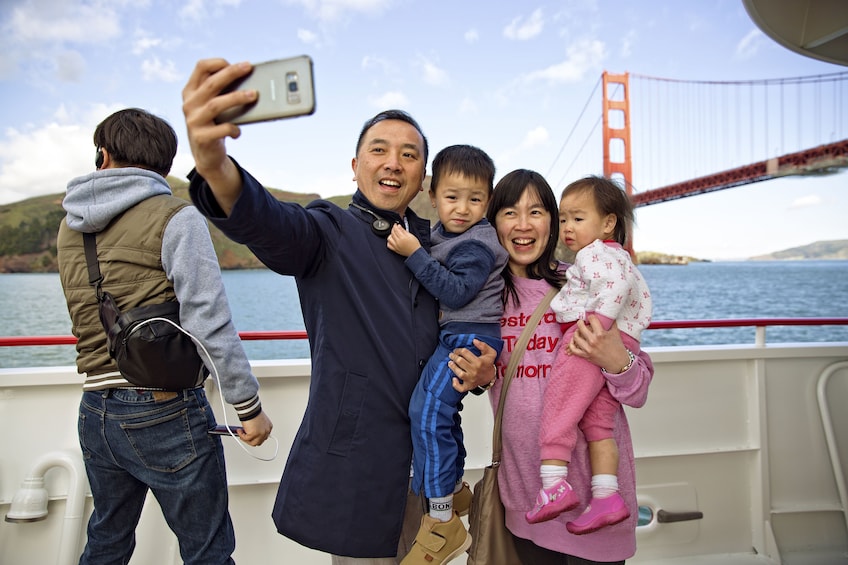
(285,88)
(224,430)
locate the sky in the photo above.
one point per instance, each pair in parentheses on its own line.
(514,78)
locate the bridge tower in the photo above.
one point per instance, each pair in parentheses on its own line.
(616,126)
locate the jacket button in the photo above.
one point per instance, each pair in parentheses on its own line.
(421,363)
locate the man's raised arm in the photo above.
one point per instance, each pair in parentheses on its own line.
(202,102)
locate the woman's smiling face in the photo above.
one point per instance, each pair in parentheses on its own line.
(524,231)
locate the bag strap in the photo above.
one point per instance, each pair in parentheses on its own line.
(515,358)
(94,275)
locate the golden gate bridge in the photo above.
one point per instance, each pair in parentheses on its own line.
(682,138)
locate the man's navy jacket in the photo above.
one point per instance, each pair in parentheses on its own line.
(371,329)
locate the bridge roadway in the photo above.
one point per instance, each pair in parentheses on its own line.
(824,159)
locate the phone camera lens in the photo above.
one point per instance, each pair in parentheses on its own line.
(291,81)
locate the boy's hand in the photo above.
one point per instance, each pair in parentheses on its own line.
(402,242)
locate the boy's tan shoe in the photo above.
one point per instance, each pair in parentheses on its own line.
(438,542)
(462,500)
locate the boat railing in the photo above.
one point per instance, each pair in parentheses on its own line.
(263,335)
(732,472)
(831,436)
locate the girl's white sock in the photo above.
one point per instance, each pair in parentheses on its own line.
(551,474)
(604,486)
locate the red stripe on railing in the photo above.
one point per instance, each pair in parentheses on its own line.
(23,340)
(38,340)
(268,335)
(17,341)
(735,323)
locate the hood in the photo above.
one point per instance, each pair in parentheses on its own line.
(93,200)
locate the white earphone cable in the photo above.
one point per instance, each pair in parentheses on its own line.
(217,379)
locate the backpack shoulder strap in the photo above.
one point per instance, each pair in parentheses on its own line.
(94,275)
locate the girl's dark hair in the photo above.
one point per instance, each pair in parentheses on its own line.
(507,193)
(136,138)
(392,115)
(610,198)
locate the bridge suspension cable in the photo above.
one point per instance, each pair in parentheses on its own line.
(571,133)
(687,129)
(729,132)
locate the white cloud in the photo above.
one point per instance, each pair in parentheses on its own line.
(183,162)
(70,66)
(331,10)
(193,10)
(535,137)
(472,36)
(750,44)
(511,157)
(49,22)
(144,43)
(806,201)
(626,47)
(371,62)
(155,70)
(392,99)
(581,57)
(433,74)
(467,106)
(199,9)
(24,170)
(307,37)
(8,59)
(522,29)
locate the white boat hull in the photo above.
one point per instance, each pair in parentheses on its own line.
(733,432)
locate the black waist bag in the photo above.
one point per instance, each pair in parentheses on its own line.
(147,342)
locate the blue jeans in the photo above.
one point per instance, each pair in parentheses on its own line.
(135,440)
(438,456)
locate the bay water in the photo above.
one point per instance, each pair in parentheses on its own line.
(33,305)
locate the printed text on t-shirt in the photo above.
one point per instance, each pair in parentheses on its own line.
(544,343)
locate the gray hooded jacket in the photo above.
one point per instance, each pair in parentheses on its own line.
(189,262)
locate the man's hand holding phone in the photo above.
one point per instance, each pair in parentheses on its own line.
(202,101)
(284,88)
(218,91)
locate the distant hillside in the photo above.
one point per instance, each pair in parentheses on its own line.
(820,250)
(655,258)
(834,250)
(28,229)
(28,232)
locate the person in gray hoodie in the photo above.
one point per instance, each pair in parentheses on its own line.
(151,248)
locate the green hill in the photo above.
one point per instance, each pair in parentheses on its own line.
(28,232)
(834,250)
